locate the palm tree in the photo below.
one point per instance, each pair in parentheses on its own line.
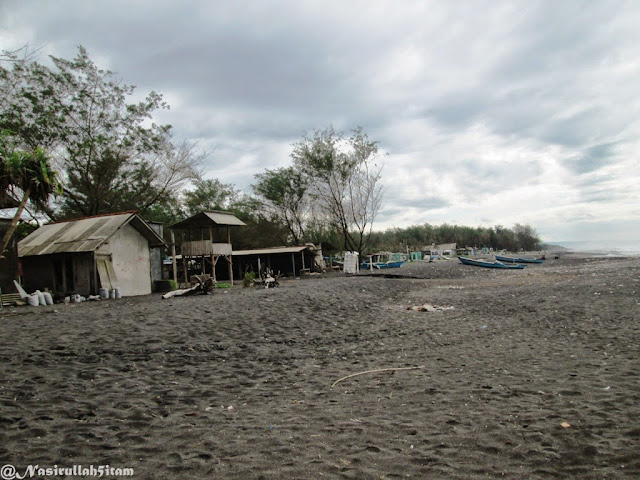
(25,176)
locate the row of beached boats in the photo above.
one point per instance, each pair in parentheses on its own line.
(501,262)
(395,260)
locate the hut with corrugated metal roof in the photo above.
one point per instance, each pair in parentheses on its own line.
(86,254)
(288,261)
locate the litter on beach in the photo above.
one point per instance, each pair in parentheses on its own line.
(427,307)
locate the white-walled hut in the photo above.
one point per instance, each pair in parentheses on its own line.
(86,254)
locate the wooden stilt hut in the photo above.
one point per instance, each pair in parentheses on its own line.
(206,237)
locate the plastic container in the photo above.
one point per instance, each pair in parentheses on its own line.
(104,293)
(112,293)
(351,264)
(116,292)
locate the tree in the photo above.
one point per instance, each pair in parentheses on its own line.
(30,109)
(284,199)
(344,179)
(24,176)
(114,184)
(111,156)
(210,194)
(526,238)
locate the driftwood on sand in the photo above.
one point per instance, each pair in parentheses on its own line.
(203,286)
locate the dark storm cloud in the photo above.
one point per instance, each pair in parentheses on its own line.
(476,93)
(592,158)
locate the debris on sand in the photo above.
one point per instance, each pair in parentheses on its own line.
(427,307)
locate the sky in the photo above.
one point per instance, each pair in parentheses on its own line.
(488,112)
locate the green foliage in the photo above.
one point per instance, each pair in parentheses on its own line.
(418,236)
(109,152)
(173,284)
(112,157)
(247,281)
(285,199)
(344,182)
(210,194)
(25,176)
(167,210)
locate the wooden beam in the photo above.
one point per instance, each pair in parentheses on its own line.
(293,261)
(184,261)
(95,274)
(174,264)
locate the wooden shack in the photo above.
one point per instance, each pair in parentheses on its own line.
(287,261)
(83,255)
(204,239)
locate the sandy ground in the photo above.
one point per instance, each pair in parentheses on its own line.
(533,374)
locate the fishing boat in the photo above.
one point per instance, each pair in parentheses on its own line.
(518,260)
(383,260)
(488,264)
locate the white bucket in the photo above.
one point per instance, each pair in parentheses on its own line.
(117,292)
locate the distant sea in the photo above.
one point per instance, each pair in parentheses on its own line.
(601,248)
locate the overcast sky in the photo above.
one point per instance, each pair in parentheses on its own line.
(491,112)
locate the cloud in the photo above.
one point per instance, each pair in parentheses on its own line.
(491,112)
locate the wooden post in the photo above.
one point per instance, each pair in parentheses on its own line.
(230,256)
(174,264)
(184,260)
(293,261)
(213,265)
(95,274)
(302,257)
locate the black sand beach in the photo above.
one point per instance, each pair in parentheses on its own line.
(533,374)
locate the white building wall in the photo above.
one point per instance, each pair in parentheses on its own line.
(130,256)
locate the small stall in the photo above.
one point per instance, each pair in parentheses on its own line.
(204,239)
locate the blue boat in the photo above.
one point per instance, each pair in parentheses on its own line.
(487,264)
(518,260)
(370,265)
(383,260)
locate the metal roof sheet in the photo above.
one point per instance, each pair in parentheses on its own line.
(207,219)
(270,251)
(82,235)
